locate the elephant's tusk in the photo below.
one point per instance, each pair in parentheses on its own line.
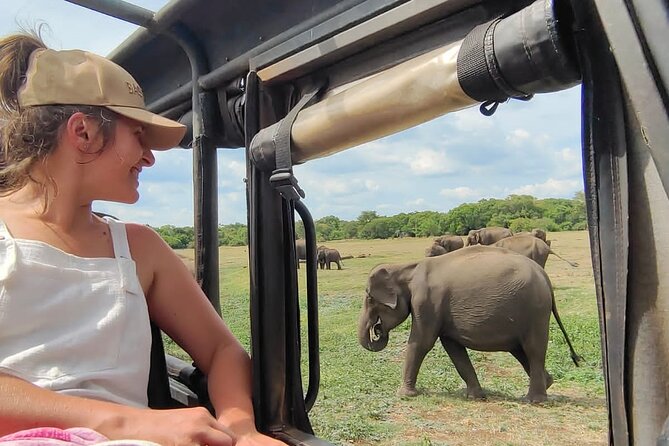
(373,336)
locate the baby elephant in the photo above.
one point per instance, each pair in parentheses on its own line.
(450,242)
(487,236)
(444,244)
(435,250)
(482,298)
(326,256)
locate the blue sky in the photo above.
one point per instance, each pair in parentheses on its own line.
(525,148)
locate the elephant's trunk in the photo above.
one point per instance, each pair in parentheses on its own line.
(371,334)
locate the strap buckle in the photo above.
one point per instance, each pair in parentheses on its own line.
(282,177)
(285,183)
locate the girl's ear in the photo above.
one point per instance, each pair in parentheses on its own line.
(82,133)
(77,130)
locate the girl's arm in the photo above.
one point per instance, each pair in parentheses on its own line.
(25,406)
(180,308)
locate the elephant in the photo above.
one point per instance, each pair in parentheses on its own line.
(326,256)
(532,247)
(482,298)
(539,233)
(450,242)
(487,236)
(435,250)
(536,232)
(300,250)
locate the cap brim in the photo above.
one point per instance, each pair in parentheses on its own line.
(160,133)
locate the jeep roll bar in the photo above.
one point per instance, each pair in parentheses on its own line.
(233,72)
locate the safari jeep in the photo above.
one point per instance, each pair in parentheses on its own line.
(286,81)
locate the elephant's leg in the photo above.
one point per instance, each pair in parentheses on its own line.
(458,354)
(535,350)
(338,264)
(520,355)
(420,343)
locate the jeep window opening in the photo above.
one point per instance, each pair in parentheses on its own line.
(240,93)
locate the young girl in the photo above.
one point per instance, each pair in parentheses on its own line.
(77,291)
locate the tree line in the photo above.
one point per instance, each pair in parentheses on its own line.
(516,212)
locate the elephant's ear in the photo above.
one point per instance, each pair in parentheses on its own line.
(381,288)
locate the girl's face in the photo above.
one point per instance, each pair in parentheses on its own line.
(116,170)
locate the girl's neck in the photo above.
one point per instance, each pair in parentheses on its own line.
(30,202)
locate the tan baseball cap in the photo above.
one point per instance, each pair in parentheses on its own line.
(75,77)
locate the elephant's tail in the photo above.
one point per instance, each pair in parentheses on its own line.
(572,264)
(574,356)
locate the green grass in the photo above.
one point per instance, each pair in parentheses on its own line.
(357,402)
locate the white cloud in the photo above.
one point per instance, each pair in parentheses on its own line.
(332,187)
(518,137)
(550,188)
(430,162)
(371,185)
(165,192)
(416,202)
(232,196)
(420,158)
(471,120)
(460,193)
(236,169)
(568,162)
(570,155)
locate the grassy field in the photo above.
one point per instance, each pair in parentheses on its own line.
(357,402)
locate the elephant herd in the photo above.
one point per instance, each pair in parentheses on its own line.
(324,256)
(493,295)
(530,244)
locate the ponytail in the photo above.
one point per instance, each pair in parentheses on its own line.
(15,51)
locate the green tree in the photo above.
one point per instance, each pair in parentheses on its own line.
(329,228)
(367,216)
(517,212)
(350,229)
(527,224)
(232,235)
(177,237)
(521,206)
(461,219)
(299,229)
(377,228)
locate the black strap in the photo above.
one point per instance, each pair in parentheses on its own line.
(282,177)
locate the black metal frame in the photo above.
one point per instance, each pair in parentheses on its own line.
(625,102)
(279,403)
(624,105)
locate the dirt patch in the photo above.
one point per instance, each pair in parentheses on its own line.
(501,422)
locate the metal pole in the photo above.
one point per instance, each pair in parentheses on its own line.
(120,9)
(204,152)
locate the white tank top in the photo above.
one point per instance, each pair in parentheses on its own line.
(78,326)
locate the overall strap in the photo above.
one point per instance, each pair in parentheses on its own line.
(119,238)
(4,232)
